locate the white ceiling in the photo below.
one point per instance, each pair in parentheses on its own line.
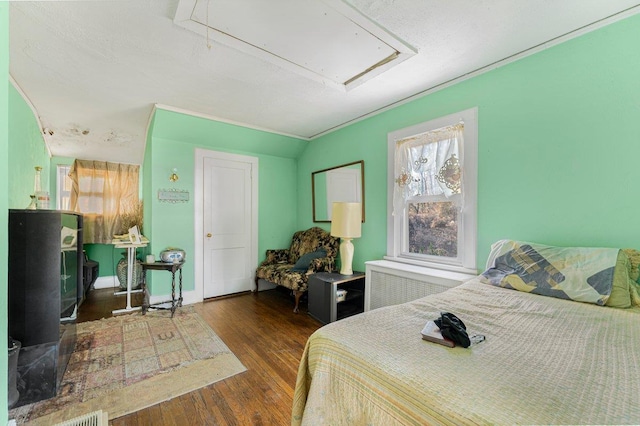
(93,70)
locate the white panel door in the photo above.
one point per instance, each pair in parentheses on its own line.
(227,217)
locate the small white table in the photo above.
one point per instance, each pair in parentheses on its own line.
(131,259)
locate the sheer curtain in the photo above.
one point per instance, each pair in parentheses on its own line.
(428,164)
(107,196)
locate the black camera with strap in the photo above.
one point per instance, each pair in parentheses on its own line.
(453,329)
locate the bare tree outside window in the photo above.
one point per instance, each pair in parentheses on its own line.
(433,228)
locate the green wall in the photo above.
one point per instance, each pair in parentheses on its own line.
(106,256)
(26,150)
(173,142)
(195,131)
(559,143)
(4,197)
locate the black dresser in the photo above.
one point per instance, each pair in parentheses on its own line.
(45,285)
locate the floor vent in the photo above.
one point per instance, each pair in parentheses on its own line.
(391,283)
(97,418)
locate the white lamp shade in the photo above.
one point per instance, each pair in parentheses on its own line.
(346,220)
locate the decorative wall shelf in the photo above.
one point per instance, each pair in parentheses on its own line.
(173,195)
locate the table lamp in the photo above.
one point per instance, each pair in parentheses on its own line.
(346,223)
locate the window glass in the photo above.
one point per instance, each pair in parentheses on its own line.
(433,229)
(63,185)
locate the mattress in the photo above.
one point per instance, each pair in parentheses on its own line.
(544,361)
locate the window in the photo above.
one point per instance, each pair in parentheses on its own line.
(432,193)
(63,183)
(107,194)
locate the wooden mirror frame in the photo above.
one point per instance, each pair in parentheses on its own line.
(316,175)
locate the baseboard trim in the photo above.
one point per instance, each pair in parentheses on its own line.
(106,282)
(188,298)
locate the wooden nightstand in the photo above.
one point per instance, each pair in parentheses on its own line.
(324,305)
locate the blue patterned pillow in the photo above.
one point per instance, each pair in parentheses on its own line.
(583,274)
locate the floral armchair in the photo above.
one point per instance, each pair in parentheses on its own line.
(311,251)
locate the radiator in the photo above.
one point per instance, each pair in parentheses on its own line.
(97,418)
(391,283)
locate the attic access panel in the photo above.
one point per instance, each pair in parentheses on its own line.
(325,40)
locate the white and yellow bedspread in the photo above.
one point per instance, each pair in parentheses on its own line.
(544,361)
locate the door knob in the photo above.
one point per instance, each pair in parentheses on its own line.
(209,235)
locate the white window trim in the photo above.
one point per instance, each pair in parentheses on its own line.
(470,190)
(60,186)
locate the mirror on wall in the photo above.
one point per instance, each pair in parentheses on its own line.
(340,183)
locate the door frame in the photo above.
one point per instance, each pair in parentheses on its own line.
(198,189)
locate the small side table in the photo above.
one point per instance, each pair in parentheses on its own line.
(163,266)
(323,303)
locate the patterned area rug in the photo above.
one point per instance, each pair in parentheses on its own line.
(126,363)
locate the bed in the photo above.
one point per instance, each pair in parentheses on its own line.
(545,360)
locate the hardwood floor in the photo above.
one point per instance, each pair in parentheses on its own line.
(262,331)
